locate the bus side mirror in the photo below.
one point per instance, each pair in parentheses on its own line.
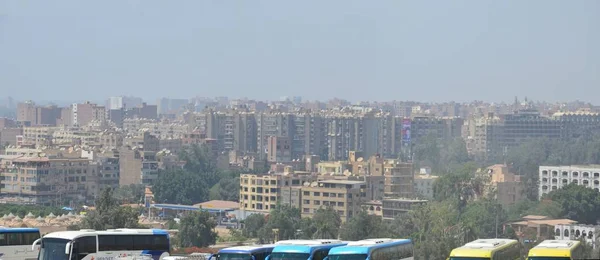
(68,248)
(212,256)
(35,243)
(268,257)
(253,257)
(326,258)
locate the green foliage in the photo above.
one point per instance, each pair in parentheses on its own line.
(22,210)
(578,203)
(461,182)
(284,218)
(434,228)
(192,184)
(484,218)
(172,224)
(440,155)
(253,224)
(236,235)
(327,223)
(226,189)
(526,158)
(130,194)
(197,229)
(109,214)
(180,187)
(363,226)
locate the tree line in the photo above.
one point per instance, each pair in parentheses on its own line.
(198,181)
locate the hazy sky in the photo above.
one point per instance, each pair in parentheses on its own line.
(359,50)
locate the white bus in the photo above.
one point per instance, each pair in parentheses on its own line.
(104,245)
(15,243)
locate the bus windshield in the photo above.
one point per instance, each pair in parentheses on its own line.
(289,256)
(53,249)
(348,257)
(548,258)
(235,257)
(469,258)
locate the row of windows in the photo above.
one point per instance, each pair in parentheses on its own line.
(511,252)
(394,252)
(326,203)
(18,239)
(87,245)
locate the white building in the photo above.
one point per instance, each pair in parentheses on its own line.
(423,185)
(115,103)
(576,232)
(556,177)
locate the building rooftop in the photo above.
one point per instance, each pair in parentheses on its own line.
(218,205)
(341,182)
(404,200)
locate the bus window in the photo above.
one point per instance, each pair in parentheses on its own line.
(320,254)
(84,246)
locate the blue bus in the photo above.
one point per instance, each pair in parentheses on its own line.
(243,253)
(304,249)
(15,243)
(374,249)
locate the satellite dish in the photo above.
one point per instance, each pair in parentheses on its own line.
(306,184)
(314,184)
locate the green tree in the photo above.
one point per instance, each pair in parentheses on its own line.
(253,224)
(363,226)
(226,189)
(109,214)
(180,187)
(199,161)
(326,222)
(484,218)
(434,228)
(285,219)
(128,194)
(197,229)
(579,203)
(307,229)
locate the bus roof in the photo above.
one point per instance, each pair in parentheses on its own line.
(4,230)
(482,247)
(305,246)
(558,248)
(308,242)
(245,249)
(70,235)
(364,246)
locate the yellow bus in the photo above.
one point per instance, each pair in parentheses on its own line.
(556,250)
(488,249)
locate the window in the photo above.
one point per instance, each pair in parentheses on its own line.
(84,246)
(320,255)
(16,239)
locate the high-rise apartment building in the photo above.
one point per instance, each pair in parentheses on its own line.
(344,196)
(83,114)
(272,124)
(260,193)
(46,180)
(244,132)
(399,179)
(279,149)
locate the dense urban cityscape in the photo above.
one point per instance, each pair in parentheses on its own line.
(299,130)
(368,165)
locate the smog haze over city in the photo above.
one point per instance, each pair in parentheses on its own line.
(300,130)
(356,50)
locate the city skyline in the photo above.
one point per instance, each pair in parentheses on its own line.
(263,50)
